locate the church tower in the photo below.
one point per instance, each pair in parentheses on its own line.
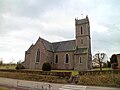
(83,39)
(83,42)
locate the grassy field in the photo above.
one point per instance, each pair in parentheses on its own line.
(4,88)
(7,66)
(112,80)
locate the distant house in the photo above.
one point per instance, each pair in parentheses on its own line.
(118,60)
(95,63)
(70,55)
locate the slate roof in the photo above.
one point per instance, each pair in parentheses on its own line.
(28,51)
(48,45)
(60,46)
(64,46)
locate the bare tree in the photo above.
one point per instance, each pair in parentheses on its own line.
(1,61)
(100,57)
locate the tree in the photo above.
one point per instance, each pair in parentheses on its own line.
(19,65)
(108,64)
(113,61)
(1,61)
(100,57)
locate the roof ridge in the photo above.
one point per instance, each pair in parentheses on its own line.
(63,41)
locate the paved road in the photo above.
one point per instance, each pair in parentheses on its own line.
(31,85)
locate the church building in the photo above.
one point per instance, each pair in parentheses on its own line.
(63,55)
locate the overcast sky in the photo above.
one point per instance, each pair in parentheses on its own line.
(23,21)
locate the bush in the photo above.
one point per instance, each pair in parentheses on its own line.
(46,67)
(114,66)
(20,66)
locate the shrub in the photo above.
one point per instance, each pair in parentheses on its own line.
(20,66)
(46,67)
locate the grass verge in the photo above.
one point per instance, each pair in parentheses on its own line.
(4,88)
(112,80)
(34,77)
(74,72)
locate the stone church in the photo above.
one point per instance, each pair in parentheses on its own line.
(68,55)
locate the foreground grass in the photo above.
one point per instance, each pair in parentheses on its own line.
(103,79)
(34,77)
(100,80)
(4,88)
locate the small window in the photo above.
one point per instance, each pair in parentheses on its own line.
(80,60)
(56,58)
(66,58)
(81,41)
(81,30)
(38,56)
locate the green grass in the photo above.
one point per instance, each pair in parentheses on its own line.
(7,66)
(34,77)
(102,69)
(100,80)
(4,88)
(74,72)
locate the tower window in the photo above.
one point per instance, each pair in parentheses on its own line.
(38,56)
(81,30)
(80,60)
(81,41)
(66,58)
(56,58)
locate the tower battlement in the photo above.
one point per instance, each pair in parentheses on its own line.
(82,21)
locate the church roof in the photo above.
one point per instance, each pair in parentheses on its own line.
(28,51)
(64,45)
(48,45)
(60,46)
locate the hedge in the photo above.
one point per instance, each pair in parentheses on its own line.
(98,72)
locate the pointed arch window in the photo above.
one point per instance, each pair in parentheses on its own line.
(66,58)
(56,58)
(38,56)
(81,30)
(80,60)
(81,41)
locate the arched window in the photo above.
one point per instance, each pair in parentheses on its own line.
(38,56)
(81,41)
(81,30)
(56,58)
(80,60)
(66,58)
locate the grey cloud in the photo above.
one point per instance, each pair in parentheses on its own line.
(107,41)
(26,29)
(33,10)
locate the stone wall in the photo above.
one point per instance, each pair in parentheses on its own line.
(31,58)
(61,60)
(83,65)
